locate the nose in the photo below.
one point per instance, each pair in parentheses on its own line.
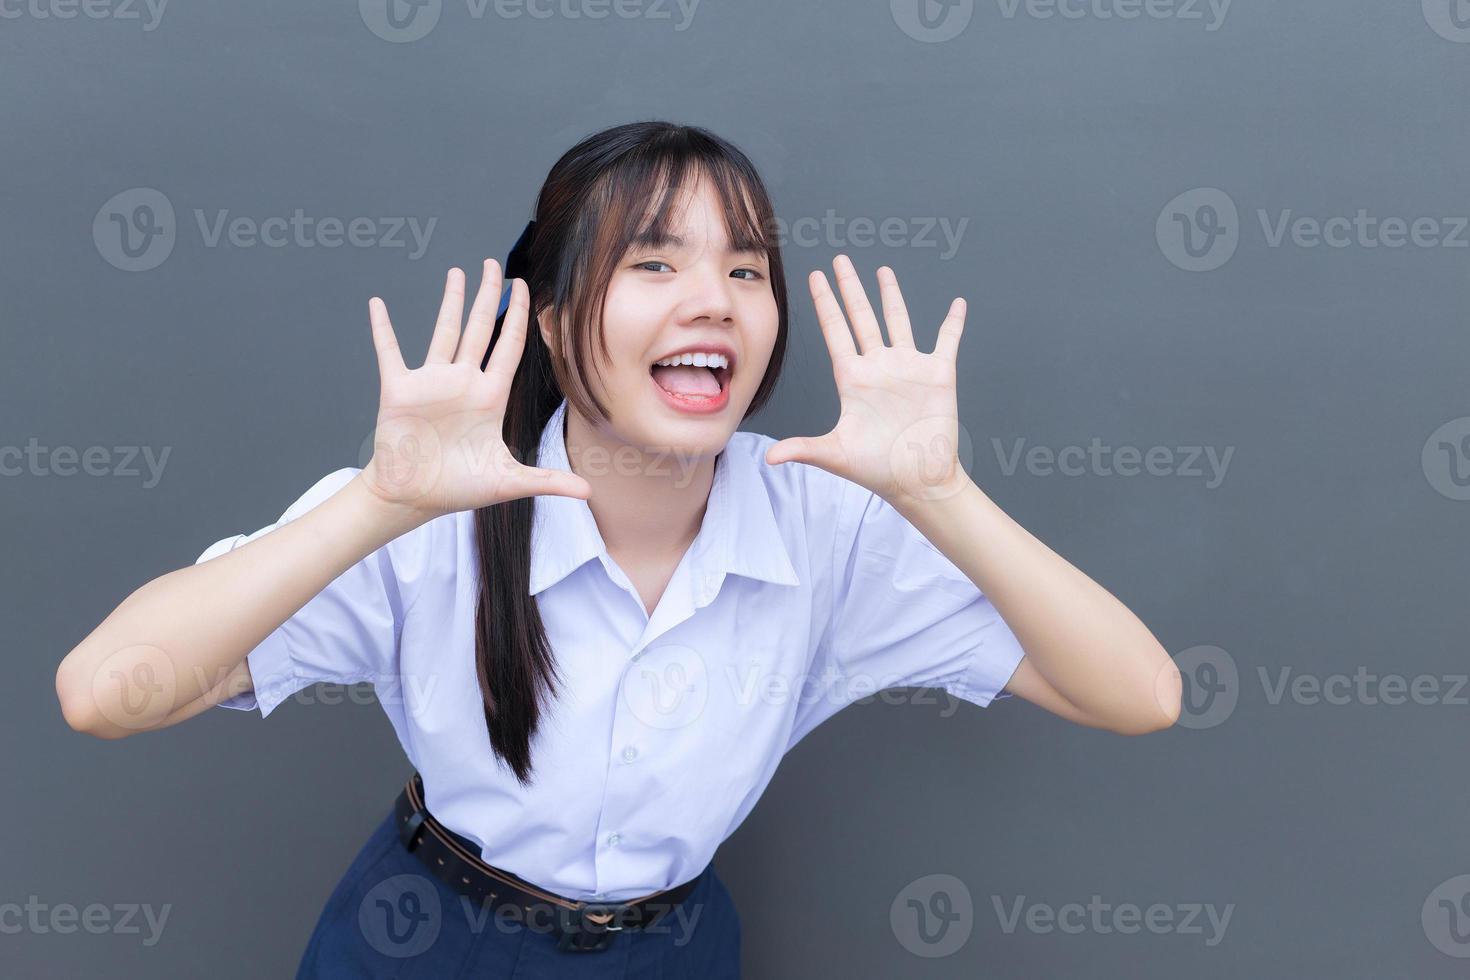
(708,297)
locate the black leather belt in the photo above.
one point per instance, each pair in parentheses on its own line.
(454,860)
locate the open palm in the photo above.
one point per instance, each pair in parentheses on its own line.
(898,430)
(439,446)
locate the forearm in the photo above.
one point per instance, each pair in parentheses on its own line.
(182,634)
(1087,645)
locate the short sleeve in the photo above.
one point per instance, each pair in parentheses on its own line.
(345,634)
(903,615)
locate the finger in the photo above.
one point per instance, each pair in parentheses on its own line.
(390,357)
(895,313)
(948,344)
(561,483)
(451,312)
(507,353)
(819,451)
(859,310)
(829,315)
(482,317)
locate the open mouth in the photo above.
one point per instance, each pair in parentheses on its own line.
(693,376)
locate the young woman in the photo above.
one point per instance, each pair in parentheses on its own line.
(596,614)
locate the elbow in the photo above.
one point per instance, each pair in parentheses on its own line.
(1160,707)
(79,706)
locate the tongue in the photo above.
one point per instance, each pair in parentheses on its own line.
(686,379)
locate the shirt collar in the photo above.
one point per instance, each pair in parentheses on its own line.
(739,534)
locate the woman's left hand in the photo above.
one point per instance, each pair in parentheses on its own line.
(898,431)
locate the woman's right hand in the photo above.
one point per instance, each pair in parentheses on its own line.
(439,445)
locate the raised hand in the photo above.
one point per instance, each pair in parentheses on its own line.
(898,431)
(439,445)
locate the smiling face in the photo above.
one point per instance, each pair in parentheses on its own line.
(704,310)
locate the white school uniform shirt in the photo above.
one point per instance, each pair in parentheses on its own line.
(802,593)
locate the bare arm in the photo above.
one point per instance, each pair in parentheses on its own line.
(180,643)
(1087,657)
(185,634)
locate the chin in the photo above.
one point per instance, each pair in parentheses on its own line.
(662,428)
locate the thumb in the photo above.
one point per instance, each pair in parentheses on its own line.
(798,449)
(559,483)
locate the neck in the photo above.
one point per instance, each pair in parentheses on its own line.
(644,502)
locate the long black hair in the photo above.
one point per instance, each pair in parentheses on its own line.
(594,203)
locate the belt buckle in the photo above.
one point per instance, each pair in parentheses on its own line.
(595,924)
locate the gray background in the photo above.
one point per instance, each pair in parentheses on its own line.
(1332,545)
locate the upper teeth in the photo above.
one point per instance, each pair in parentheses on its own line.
(697,358)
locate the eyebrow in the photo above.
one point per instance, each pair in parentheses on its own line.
(648,239)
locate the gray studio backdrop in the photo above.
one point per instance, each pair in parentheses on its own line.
(1216,258)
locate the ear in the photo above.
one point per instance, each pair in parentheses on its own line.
(543,323)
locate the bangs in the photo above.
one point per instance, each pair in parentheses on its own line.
(640,210)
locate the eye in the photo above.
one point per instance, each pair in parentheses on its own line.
(755,274)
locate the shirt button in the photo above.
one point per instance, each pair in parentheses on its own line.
(612,840)
(629,754)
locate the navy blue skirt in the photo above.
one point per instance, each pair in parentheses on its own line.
(388,917)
